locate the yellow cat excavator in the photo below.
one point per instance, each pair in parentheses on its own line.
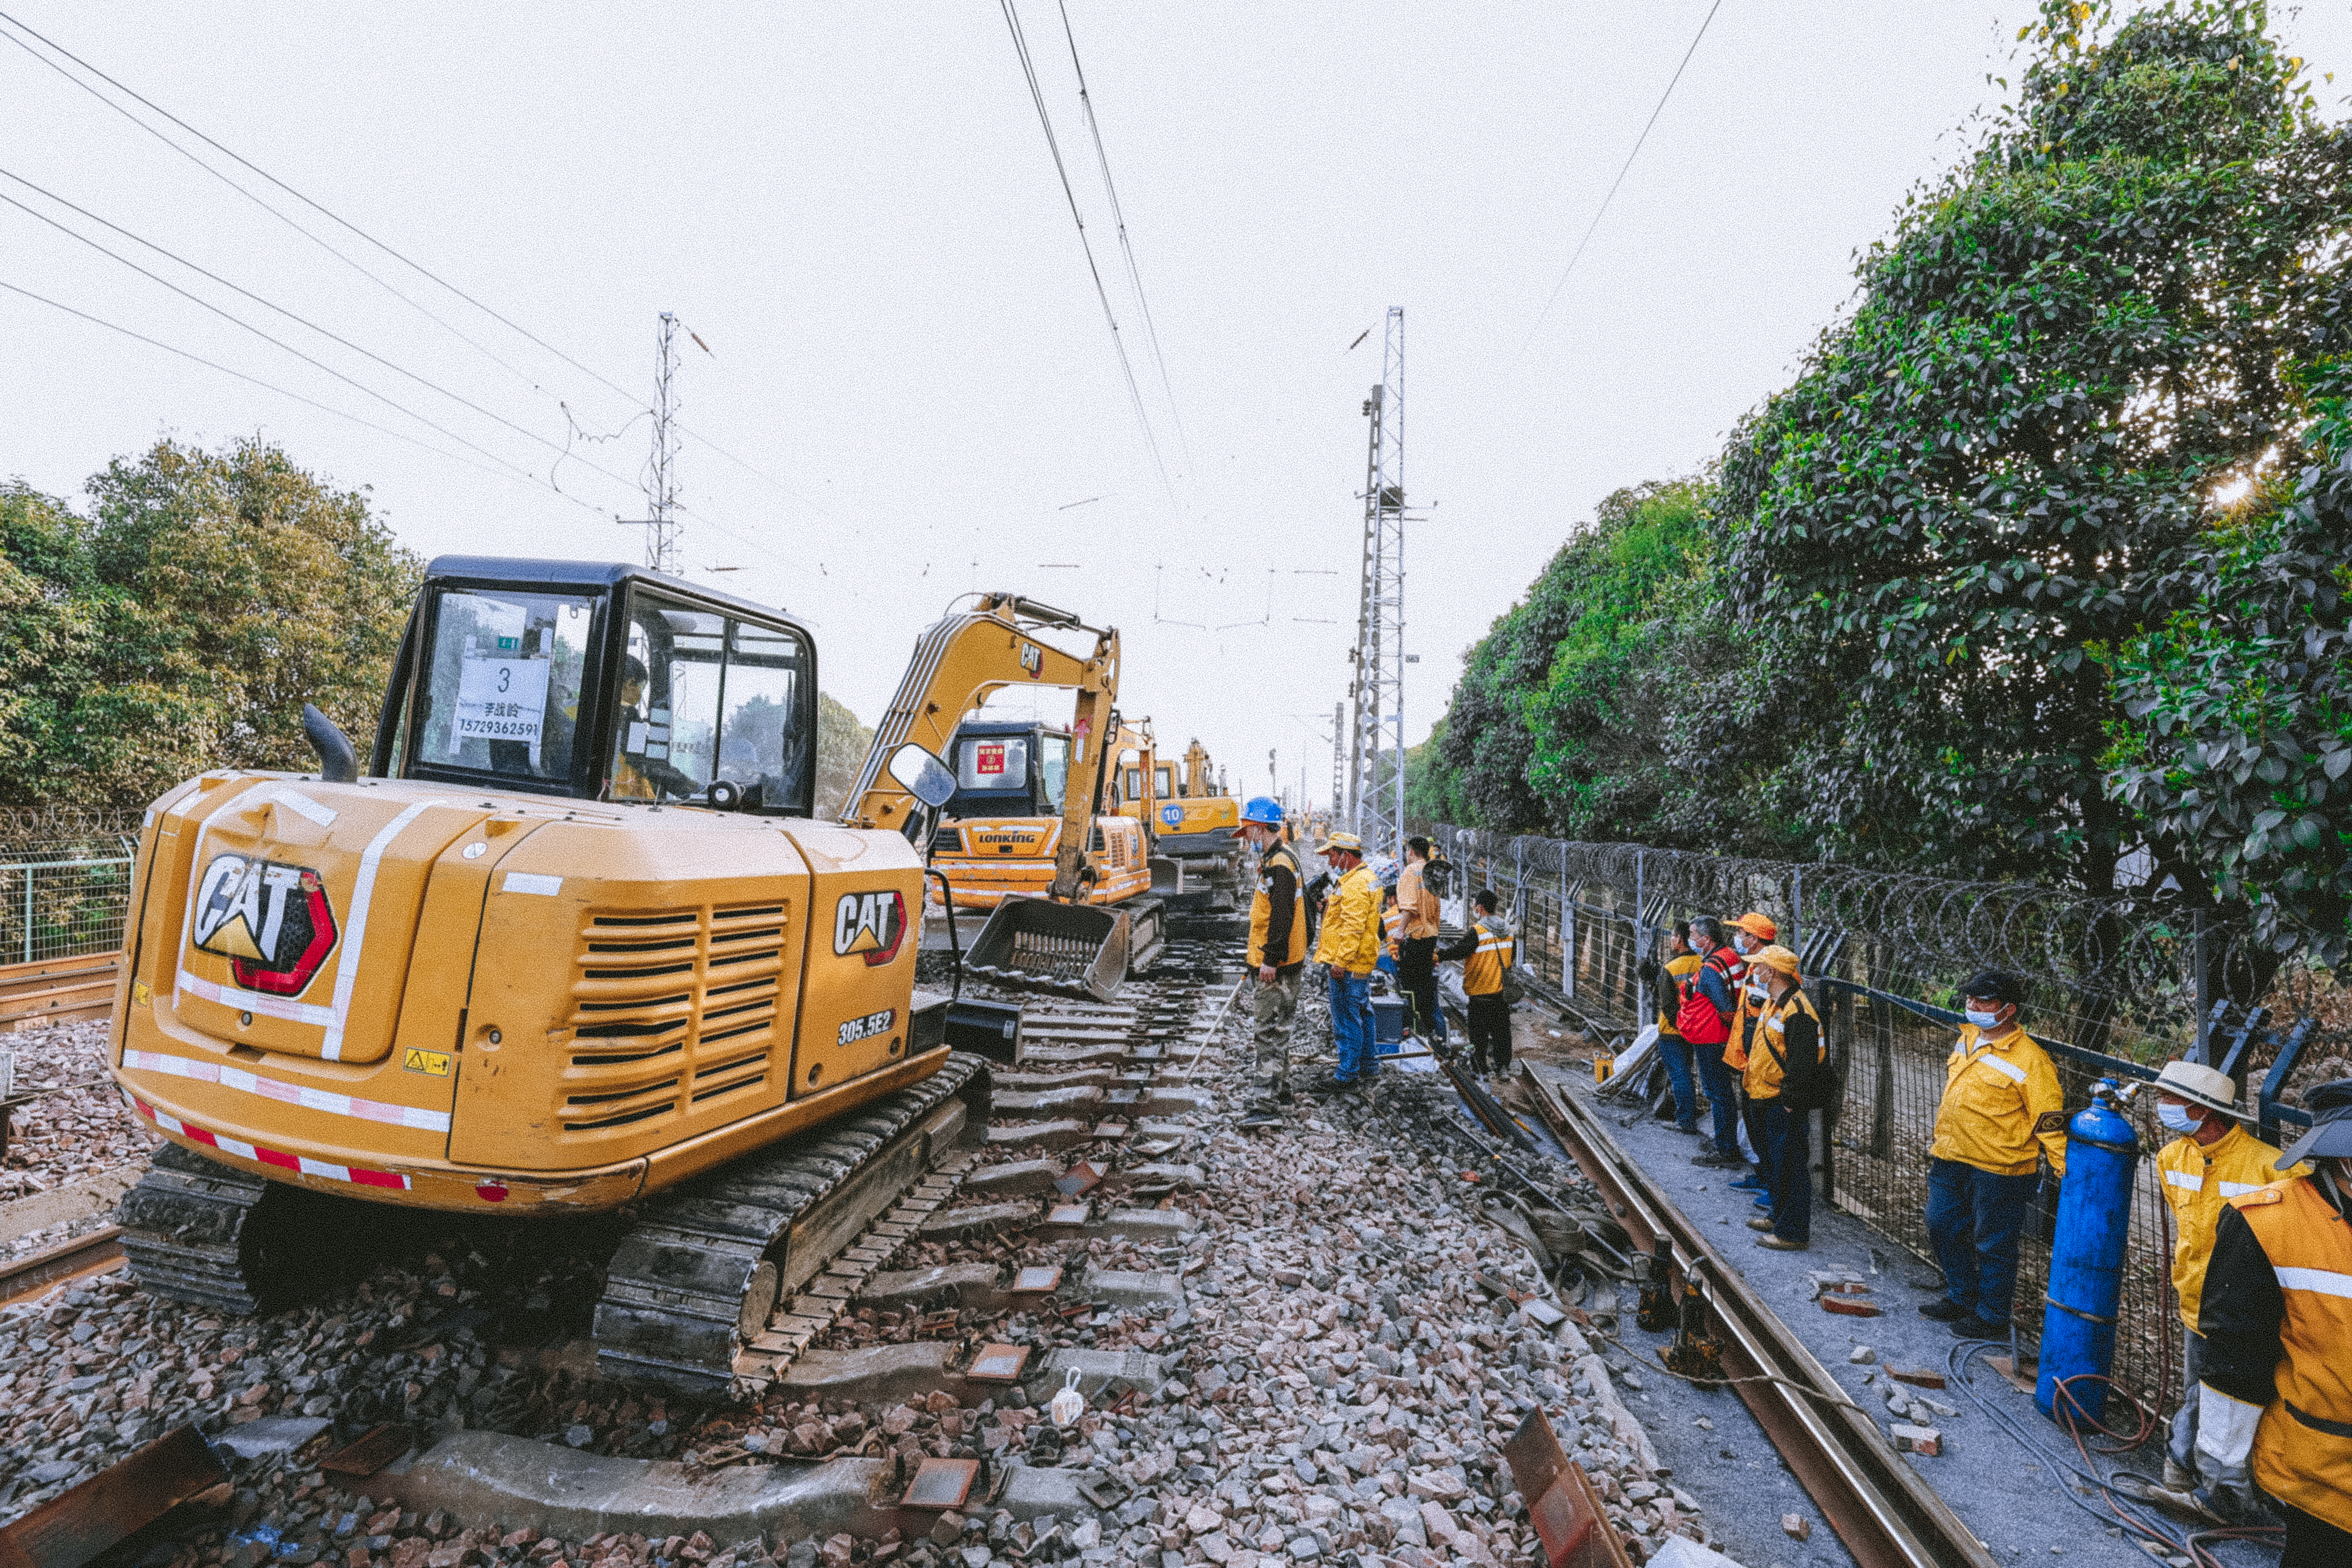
(1194,825)
(574,943)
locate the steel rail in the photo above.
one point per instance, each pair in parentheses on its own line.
(100,1250)
(1883,1513)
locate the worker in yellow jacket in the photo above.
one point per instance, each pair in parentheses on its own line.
(1277,952)
(1787,1078)
(1348,948)
(1666,980)
(2275,1405)
(2212,1161)
(2002,1114)
(1486,951)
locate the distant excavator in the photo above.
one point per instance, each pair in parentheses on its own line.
(574,944)
(1196,824)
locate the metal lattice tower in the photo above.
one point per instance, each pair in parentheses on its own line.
(1376,789)
(661,473)
(1338,758)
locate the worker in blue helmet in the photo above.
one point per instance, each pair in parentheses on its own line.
(1277,957)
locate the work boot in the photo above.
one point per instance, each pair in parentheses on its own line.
(1944,1309)
(1780,1244)
(1261,1116)
(1762,1222)
(1717,1160)
(1971,1326)
(2176,1478)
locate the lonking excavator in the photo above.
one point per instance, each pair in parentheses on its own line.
(574,946)
(1017,831)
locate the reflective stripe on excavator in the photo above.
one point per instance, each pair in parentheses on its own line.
(359,1175)
(289,1093)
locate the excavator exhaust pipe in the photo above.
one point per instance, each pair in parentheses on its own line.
(1069,950)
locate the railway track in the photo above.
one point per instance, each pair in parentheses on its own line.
(1883,1513)
(23,1278)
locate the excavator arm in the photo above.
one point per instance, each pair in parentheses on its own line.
(969,653)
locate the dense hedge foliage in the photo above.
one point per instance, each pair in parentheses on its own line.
(2041,557)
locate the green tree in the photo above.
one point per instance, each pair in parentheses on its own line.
(2242,758)
(182,622)
(1983,480)
(1616,700)
(841,744)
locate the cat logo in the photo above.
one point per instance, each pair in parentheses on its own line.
(1030,658)
(272,923)
(870,924)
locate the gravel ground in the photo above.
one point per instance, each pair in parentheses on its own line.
(79,1126)
(78,1129)
(1341,1385)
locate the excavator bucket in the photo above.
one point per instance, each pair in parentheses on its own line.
(1070,949)
(1167,877)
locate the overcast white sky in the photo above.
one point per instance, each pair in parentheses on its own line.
(854,207)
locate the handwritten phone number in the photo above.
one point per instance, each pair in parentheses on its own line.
(499,729)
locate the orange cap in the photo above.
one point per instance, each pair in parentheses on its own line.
(1757,926)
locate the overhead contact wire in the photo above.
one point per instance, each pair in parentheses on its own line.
(563,452)
(1127,367)
(437,320)
(1620,180)
(1118,218)
(380,282)
(265,336)
(323,211)
(503,473)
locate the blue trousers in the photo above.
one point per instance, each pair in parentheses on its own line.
(1722,1099)
(1351,1026)
(1974,1220)
(1753,1115)
(1675,1052)
(1789,1169)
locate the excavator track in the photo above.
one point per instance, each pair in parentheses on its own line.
(696,1277)
(192,1231)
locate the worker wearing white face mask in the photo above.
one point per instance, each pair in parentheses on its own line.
(2212,1161)
(2001,1114)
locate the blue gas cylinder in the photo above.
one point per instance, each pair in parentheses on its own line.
(2086,1255)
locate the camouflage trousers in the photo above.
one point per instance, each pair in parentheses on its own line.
(1273,1006)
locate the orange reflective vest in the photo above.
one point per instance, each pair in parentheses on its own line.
(1482,971)
(2302,1446)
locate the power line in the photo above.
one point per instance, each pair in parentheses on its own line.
(265,336)
(330,215)
(561,451)
(1620,180)
(282,392)
(1120,218)
(1037,97)
(429,315)
(380,282)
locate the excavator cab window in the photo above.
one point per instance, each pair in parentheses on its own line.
(992,762)
(710,709)
(1163,784)
(501,687)
(1052,770)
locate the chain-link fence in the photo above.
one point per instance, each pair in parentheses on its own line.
(2116,987)
(65,884)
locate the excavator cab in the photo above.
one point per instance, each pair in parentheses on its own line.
(601,682)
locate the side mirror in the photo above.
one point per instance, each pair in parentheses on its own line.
(923,776)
